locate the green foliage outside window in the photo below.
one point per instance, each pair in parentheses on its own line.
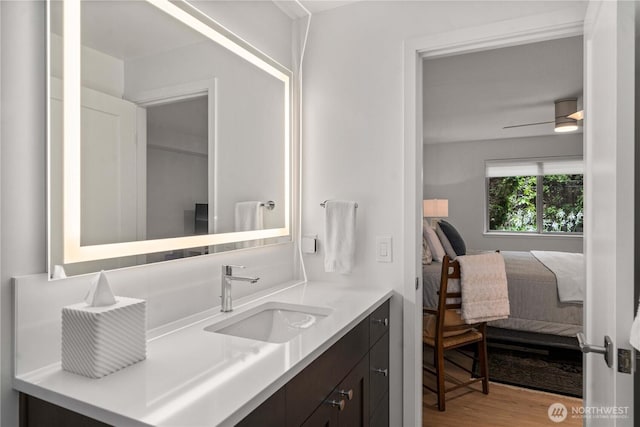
(563,203)
(513,203)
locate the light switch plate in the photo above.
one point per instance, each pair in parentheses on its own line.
(384,249)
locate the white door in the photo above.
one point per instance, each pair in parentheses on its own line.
(609,204)
(109,190)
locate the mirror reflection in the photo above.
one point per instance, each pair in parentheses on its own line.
(179,136)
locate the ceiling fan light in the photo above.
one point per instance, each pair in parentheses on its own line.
(565,107)
(566,127)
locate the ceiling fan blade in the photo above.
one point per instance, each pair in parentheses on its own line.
(528,124)
(578,115)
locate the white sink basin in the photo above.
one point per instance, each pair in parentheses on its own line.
(275,322)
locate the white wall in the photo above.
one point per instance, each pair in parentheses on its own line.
(353,128)
(456,171)
(22,227)
(101,72)
(249,153)
(23,157)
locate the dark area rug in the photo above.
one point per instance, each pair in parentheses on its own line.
(535,361)
(547,369)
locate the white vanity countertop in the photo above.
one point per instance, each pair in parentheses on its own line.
(192,377)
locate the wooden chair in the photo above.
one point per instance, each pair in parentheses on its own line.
(452,335)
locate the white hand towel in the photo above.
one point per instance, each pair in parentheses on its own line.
(249,216)
(340,236)
(634,340)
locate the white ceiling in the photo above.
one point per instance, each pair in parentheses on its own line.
(317,6)
(473,96)
(127,30)
(294,11)
(134,29)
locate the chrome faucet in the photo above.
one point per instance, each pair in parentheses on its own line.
(226,279)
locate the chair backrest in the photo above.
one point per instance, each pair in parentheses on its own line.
(450,270)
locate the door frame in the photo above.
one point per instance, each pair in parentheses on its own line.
(536,28)
(175,93)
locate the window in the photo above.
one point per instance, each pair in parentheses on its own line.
(535,196)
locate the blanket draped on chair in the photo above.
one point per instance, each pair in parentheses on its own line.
(483,283)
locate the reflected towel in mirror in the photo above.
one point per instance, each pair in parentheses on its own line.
(249,216)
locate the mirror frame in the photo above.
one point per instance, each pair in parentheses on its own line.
(186,13)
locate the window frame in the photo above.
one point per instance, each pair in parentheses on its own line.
(539,195)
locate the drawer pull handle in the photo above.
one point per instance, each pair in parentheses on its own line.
(383,372)
(346,393)
(383,322)
(336,404)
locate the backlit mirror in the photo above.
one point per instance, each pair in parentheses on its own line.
(169,136)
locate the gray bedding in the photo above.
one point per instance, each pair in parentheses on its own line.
(533,297)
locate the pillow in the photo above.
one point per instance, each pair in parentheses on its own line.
(434,244)
(454,238)
(445,242)
(427,257)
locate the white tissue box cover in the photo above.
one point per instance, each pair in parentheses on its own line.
(97,341)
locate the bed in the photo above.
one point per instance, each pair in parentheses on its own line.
(533,297)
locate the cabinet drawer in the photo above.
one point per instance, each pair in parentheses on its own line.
(380,417)
(379,323)
(355,386)
(379,371)
(323,416)
(307,390)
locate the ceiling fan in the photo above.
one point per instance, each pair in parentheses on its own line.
(567,116)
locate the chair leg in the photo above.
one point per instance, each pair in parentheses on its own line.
(484,365)
(440,377)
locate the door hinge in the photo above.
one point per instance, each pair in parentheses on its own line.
(417,283)
(625,361)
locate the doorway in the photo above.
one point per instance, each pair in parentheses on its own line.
(610,131)
(511,183)
(416,50)
(177,169)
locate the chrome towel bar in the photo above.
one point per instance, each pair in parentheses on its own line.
(269,205)
(324,204)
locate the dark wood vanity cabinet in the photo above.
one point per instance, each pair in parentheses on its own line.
(269,414)
(35,412)
(348,404)
(379,367)
(347,385)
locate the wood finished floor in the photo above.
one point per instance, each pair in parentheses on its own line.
(504,406)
